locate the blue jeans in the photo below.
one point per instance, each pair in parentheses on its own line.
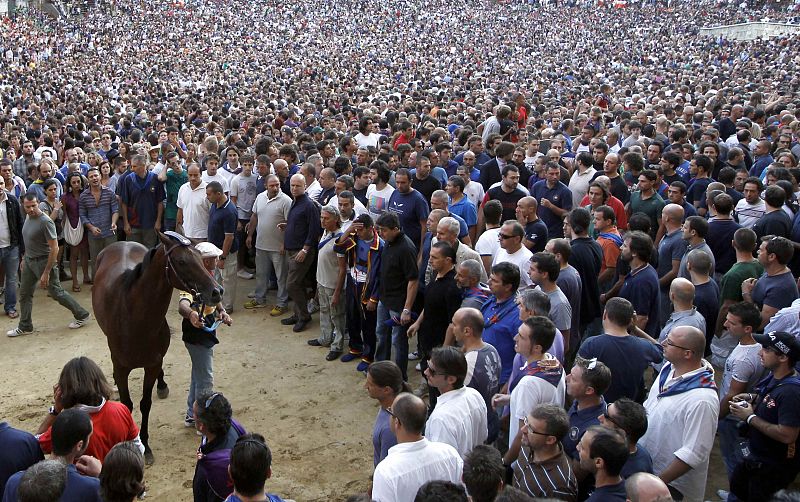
(202,379)
(388,337)
(728,432)
(9,259)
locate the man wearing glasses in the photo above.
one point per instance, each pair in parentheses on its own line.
(514,252)
(682,410)
(629,417)
(542,469)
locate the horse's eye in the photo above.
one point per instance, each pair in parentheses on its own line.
(181,261)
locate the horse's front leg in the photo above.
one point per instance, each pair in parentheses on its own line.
(150,376)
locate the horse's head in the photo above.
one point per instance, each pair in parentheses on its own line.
(186,271)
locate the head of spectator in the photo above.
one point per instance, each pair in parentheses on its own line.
(543,429)
(695,229)
(483,473)
(441,491)
(603,452)
(780,352)
(775,253)
(637,248)
(561,248)
(646,487)
(71,432)
(511,494)
(774,198)
(534,338)
(439,200)
(447,369)
(442,256)
(492,213)
(409,414)
(578,221)
(526,210)
(684,347)
(43,482)
(250,466)
(617,316)
(468,274)
(511,235)
(628,417)
(122,475)
(82,382)
(533,302)
(604,219)
(467,326)
(587,381)
(385,382)
(699,265)
(504,281)
(544,270)
(213,414)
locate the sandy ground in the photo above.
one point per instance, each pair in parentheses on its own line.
(315,414)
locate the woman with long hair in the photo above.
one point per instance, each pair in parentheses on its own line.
(384,383)
(72,194)
(105,173)
(122,475)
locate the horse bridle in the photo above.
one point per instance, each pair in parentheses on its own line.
(181,241)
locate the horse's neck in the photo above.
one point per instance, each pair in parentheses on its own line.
(154,283)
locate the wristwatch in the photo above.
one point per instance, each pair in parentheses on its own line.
(52,411)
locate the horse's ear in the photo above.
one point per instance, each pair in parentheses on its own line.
(170,238)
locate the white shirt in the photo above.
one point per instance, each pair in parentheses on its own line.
(358,207)
(683,426)
(378,200)
(530,392)
(489,242)
(270,212)
(459,420)
(217,177)
(521,258)
(195,207)
(475,193)
(749,214)
(369,140)
(579,185)
(313,190)
(410,465)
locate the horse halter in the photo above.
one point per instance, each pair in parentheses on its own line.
(180,241)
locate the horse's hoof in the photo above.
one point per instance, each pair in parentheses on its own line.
(149,458)
(162,393)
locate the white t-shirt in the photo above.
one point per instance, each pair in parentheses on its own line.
(378,200)
(459,420)
(749,214)
(489,242)
(219,178)
(369,140)
(195,207)
(408,466)
(475,193)
(244,189)
(522,259)
(579,185)
(530,392)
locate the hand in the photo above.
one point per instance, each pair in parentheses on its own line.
(239,226)
(113,228)
(499,400)
(412,330)
(88,466)
(44,280)
(282,250)
(194,318)
(226,319)
(57,404)
(372,306)
(249,242)
(96,230)
(281,226)
(335,299)
(300,257)
(405,318)
(221,263)
(744,396)
(748,285)
(57,205)
(127,228)
(546,203)
(741,410)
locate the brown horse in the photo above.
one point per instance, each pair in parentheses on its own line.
(131,294)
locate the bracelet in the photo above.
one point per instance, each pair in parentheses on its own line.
(750,418)
(406,311)
(52,411)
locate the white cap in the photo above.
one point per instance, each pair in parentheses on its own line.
(208,250)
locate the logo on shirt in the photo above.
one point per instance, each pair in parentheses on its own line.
(574,433)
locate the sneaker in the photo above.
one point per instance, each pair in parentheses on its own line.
(79,323)
(278,310)
(723,494)
(18,332)
(418,367)
(254,304)
(363,366)
(413,356)
(312,306)
(244,274)
(251,294)
(349,357)
(188,421)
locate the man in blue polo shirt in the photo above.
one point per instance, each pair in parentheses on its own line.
(141,196)
(588,380)
(222,220)
(555,200)
(641,286)
(501,316)
(72,431)
(18,451)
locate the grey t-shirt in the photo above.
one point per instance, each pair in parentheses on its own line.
(35,233)
(743,365)
(560,309)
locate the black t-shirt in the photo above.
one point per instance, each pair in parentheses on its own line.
(361,195)
(778,402)
(587,257)
(706,299)
(720,235)
(442,299)
(669,179)
(774,223)
(426,187)
(398,266)
(508,200)
(536,232)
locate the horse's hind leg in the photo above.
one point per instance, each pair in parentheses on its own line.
(121,379)
(162,389)
(150,376)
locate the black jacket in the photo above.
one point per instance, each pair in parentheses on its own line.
(15,221)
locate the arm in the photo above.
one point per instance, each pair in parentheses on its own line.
(637,331)
(187,312)
(162,176)
(159,215)
(736,388)
(766,314)
(226,249)
(179,222)
(674,470)
(52,258)
(669,276)
(513,450)
(414,328)
(607,274)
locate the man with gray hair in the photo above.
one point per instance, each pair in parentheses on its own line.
(447,231)
(44,481)
(468,278)
(270,209)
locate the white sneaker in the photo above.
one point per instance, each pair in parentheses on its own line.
(413,356)
(723,494)
(244,274)
(17,332)
(79,323)
(418,367)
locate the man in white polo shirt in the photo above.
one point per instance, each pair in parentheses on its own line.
(415,459)
(270,208)
(459,418)
(193,207)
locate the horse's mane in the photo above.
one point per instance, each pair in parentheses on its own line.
(129,277)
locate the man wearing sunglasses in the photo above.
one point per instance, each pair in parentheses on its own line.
(629,417)
(682,410)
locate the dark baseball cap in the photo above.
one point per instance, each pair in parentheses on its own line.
(783,342)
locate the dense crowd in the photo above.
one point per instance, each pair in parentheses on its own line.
(580,223)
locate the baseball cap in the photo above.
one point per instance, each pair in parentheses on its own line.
(208,250)
(783,342)
(317,129)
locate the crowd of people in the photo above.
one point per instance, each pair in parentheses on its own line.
(584,240)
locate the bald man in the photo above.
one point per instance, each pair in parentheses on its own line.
(536,234)
(300,239)
(682,411)
(681,295)
(617,185)
(645,487)
(671,248)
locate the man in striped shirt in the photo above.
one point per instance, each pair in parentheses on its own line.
(99,211)
(542,468)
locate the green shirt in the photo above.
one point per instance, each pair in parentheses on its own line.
(651,207)
(174,183)
(731,285)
